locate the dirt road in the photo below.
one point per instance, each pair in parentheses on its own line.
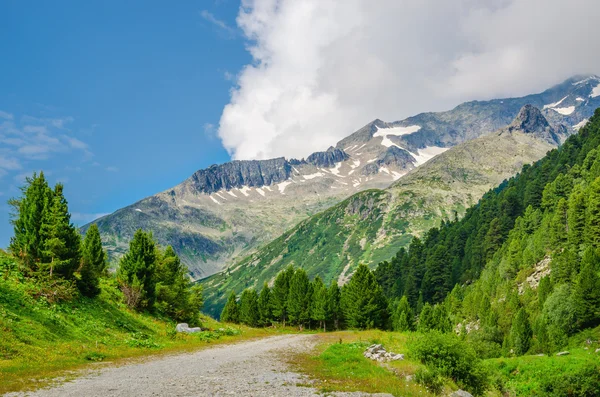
(252,368)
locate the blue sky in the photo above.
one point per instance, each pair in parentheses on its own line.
(115,99)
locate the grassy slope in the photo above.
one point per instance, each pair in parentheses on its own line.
(373,225)
(39,341)
(337,364)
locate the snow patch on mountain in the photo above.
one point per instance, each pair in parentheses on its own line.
(245,190)
(580,124)
(281,186)
(312,176)
(424,155)
(595,91)
(231,193)
(260,191)
(215,200)
(555,104)
(565,111)
(396,131)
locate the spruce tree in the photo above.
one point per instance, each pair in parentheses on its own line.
(592,231)
(520,333)
(403,319)
(298,304)
(576,218)
(93,262)
(544,290)
(364,304)
(279,293)
(318,310)
(230,312)
(28,242)
(249,314)
(334,310)
(586,297)
(136,274)
(61,239)
(265,306)
(426,319)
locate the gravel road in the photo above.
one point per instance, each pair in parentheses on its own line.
(250,368)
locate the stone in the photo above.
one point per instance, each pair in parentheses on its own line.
(597,350)
(565,353)
(461,393)
(184,327)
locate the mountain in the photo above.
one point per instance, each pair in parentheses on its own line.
(223,213)
(372,225)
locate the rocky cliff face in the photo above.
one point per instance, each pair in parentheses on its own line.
(226,211)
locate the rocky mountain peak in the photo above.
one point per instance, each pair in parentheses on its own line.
(328,158)
(530,119)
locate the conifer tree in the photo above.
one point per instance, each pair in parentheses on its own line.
(592,231)
(586,297)
(520,333)
(61,239)
(249,314)
(230,312)
(403,319)
(441,319)
(334,310)
(426,319)
(364,304)
(318,311)
(576,218)
(28,242)
(299,298)
(544,289)
(265,308)
(279,293)
(93,262)
(136,274)
(437,279)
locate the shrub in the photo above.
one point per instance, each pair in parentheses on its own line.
(431,379)
(452,357)
(585,382)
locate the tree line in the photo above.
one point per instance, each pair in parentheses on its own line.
(51,251)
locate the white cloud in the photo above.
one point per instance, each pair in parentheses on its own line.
(322,69)
(223,27)
(5,115)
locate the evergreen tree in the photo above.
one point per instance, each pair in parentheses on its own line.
(437,279)
(586,297)
(136,274)
(281,289)
(265,308)
(93,262)
(318,311)
(592,231)
(298,304)
(176,296)
(403,319)
(334,310)
(441,319)
(249,314)
(230,312)
(544,290)
(364,304)
(426,319)
(61,239)
(28,242)
(520,333)
(576,218)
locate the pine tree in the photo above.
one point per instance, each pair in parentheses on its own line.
(586,297)
(576,218)
(279,293)
(62,241)
(520,333)
(136,274)
(249,314)
(544,289)
(28,242)
(363,302)
(318,310)
(403,319)
(265,306)
(426,319)
(334,310)
(441,319)
(437,279)
(93,262)
(298,304)
(230,312)
(592,230)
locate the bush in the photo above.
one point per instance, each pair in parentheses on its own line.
(452,357)
(584,382)
(431,379)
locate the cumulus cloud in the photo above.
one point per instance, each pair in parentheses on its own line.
(322,69)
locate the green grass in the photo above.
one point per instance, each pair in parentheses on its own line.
(41,341)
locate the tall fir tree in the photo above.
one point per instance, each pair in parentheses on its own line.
(576,218)
(28,242)
(265,306)
(438,277)
(586,297)
(363,302)
(93,262)
(318,310)
(279,293)
(592,230)
(299,298)
(403,319)
(136,274)
(334,310)
(520,333)
(231,312)
(249,313)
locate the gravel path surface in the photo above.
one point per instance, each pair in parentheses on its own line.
(245,369)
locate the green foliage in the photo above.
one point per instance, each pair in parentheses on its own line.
(559,312)
(280,292)
(249,313)
(403,318)
(136,273)
(521,333)
(265,306)
(334,309)
(299,298)
(451,357)
(363,302)
(318,304)
(231,312)
(431,379)
(586,297)
(93,263)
